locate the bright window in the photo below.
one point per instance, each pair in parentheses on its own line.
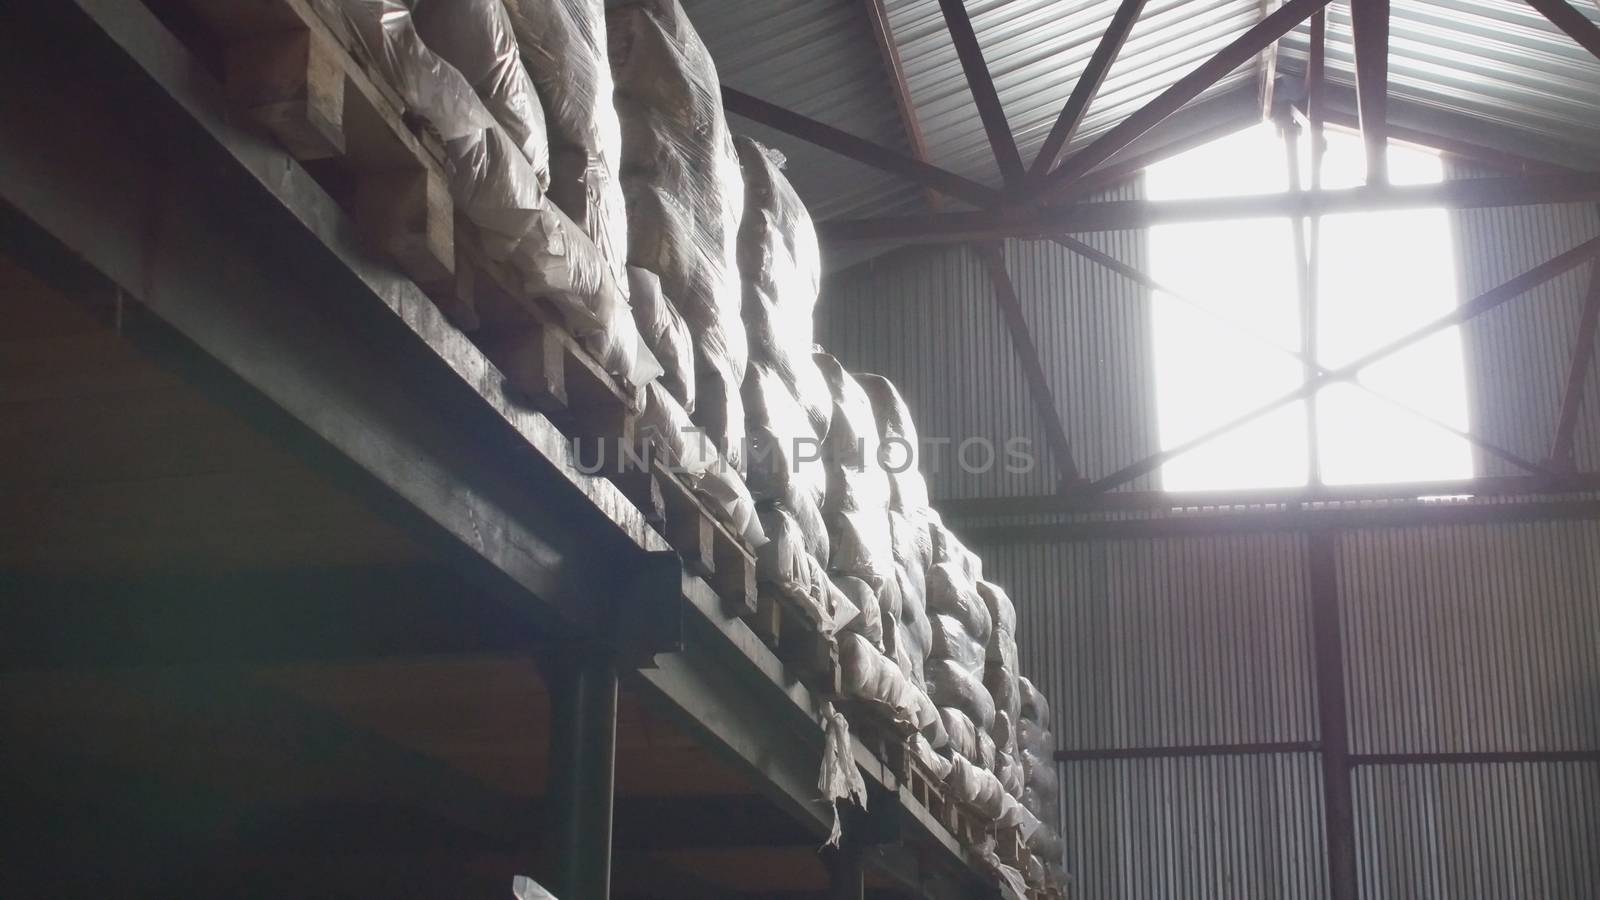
(1226,335)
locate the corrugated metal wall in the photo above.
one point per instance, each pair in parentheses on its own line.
(925,317)
(1472,638)
(1517,356)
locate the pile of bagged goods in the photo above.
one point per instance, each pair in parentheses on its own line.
(589,151)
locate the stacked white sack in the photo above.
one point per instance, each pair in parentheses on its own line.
(685,196)
(1000,678)
(961,630)
(563,44)
(861,559)
(787,405)
(1041,787)
(907,632)
(497,174)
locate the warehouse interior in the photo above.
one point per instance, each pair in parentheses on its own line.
(1245,540)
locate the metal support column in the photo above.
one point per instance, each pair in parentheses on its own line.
(583,757)
(1328,649)
(846,878)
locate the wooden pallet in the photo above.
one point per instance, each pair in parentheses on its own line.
(307,82)
(1011,848)
(782,623)
(301,79)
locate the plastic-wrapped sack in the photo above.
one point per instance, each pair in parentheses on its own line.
(953,645)
(564,48)
(951,594)
(664,432)
(868,621)
(952,685)
(901,453)
(499,190)
(681,179)
(856,509)
(665,333)
(1035,708)
(525,888)
(919,748)
(1009,770)
(977,787)
(781,270)
(870,676)
(784,562)
(475,37)
(785,456)
(961,733)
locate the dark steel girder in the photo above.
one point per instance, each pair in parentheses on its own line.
(859,149)
(981,83)
(1274,26)
(1088,84)
(1583,353)
(1369,22)
(1033,223)
(1562,15)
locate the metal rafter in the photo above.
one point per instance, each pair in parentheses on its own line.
(1574,23)
(1117,215)
(1473,308)
(1005,295)
(1577,375)
(1083,93)
(889,51)
(1274,26)
(1369,23)
(858,149)
(981,82)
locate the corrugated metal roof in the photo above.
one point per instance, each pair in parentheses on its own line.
(817,58)
(1495,60)
(1036,49)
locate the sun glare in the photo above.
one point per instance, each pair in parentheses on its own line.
(1224,337)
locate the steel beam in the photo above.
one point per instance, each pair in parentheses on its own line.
(1274,26)
(1327,647)
(981,83)
(1369,22)
(1574,23)
(1167,501)
(582,686)
(1193,751)
(1005,295)
(859,149)
(1583,352)
(889,52)
(1121,215)
(1088,84)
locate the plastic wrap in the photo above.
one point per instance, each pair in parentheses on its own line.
(870,676)
(499,190)
(785,457)
(563,46)
(856,507)
(977,787)
(923,752)
(665,333)
(839,779)
(868,621)
(665,433)
(780,270)
(784,562)
(901,452)
(1035,708)
(681,179)
(951,594)
(1009,770)
(475,37)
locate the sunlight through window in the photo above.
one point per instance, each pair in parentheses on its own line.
(1226,334)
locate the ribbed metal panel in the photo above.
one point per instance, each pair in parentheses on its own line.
(816,57)
(1465,832)
(1209,827)
(1495,60)
(1151,643)
(1036,49)
(1518,355)
(926,318)
(1473,638)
